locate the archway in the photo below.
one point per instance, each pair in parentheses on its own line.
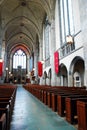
(63,75)
(77,71)
(19,68)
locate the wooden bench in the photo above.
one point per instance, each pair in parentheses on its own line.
(61,101)
(7,98)
(56,98)
(82,115)
(4,108)
(71,108)
(58,101)
(2,121)
(7,101)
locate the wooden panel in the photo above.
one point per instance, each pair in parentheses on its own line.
(82,115)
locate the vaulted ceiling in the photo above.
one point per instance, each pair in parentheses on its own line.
(21,21)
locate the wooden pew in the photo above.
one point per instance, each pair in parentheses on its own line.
(49,99)
(4,108)
(52,99)
(82,115)
(50,96)
(71,108)
(61,102)
(7,101)
(7,98)
(69,93)
(2,121)
(49,90)
(58,101)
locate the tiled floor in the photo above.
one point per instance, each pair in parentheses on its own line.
(31,114)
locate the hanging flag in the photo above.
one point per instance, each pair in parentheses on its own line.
(1,67)
(56,62)
(40,68)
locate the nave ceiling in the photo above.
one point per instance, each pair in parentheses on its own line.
(21,21)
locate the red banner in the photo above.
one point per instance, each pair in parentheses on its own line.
(56,62)
(1,68)
(40,69)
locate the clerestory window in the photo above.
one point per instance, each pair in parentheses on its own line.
(66,19)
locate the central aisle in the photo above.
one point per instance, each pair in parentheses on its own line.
(31,114)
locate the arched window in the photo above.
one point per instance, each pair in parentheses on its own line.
(19,59)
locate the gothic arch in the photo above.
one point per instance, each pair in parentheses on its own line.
(63,75)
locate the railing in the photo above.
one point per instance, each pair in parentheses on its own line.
(66,49)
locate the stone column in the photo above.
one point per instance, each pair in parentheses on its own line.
(0,42)
(85,63)
(35,60)
(83,17)
(27,64)
(84,36)
(3,57)
(41,55)
(40,49)
(3,49)
(52,50)
(70,79)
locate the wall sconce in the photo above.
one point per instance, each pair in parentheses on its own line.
(69,39)
(1,60)
(9,72)
(6,68)
(42,62)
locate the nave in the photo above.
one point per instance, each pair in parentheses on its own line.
(31,114)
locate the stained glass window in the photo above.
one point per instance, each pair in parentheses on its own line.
(19,59)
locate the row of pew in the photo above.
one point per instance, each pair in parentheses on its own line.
(7,99)
(70,102)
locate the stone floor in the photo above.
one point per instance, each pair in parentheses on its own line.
(31,114)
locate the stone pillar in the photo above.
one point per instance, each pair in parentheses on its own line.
(70,79)
(27,64)
(52,50)
(41,55)
(0,42)
(84,35)
(85,63)
(83,17)
(3,49)
(10,69)
(35,62)
(0,46)
(40,49)
(3,57)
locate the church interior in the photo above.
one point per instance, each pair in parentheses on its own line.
(43,65)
